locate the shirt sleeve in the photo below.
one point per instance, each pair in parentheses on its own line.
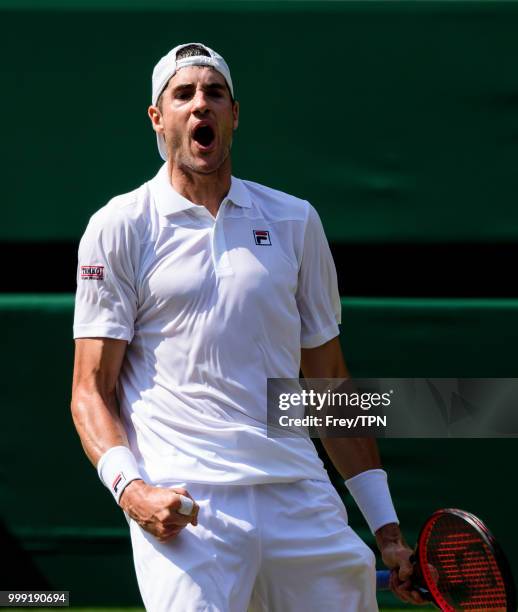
(106,298)
(317,296)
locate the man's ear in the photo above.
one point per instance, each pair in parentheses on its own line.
(156,119)
(235,112)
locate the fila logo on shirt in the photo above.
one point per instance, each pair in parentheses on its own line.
(92,272)
(120,478)
(262,237)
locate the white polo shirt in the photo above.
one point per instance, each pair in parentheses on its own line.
(210,307)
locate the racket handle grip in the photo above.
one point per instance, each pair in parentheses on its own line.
(382,580)
(186,505)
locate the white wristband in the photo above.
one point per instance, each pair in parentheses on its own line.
(117,468)
(371,493)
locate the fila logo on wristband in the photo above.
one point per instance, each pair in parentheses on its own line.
(119,479)
(117,468)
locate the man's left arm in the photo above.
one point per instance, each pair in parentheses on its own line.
(353,456)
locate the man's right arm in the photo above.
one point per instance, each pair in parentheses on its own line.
(96,416)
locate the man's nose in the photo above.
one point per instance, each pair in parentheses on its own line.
(200,102)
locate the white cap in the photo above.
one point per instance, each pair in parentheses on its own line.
(167,66)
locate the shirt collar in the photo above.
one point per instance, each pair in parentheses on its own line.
(169,201)
(239,194)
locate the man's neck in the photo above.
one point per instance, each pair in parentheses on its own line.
(205,189)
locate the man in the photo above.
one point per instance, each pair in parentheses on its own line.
(192,291)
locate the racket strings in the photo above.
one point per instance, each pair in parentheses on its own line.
(470,576)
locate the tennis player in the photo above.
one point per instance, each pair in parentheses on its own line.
(192,290)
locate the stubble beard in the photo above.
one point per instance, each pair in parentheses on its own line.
(188,163)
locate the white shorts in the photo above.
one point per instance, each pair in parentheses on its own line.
(281,547)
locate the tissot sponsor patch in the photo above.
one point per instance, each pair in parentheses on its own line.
(92,272)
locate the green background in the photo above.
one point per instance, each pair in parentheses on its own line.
(398,120)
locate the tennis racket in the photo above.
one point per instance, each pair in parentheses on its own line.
(459,565)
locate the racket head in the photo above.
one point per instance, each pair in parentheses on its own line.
(461,565)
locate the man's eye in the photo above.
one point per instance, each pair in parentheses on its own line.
(182,95)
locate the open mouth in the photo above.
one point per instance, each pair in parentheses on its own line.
(204,135)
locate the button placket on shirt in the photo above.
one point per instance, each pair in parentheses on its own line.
(220,257)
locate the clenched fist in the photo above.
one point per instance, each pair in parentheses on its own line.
(156,509)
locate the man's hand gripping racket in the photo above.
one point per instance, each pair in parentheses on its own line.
(459,565)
